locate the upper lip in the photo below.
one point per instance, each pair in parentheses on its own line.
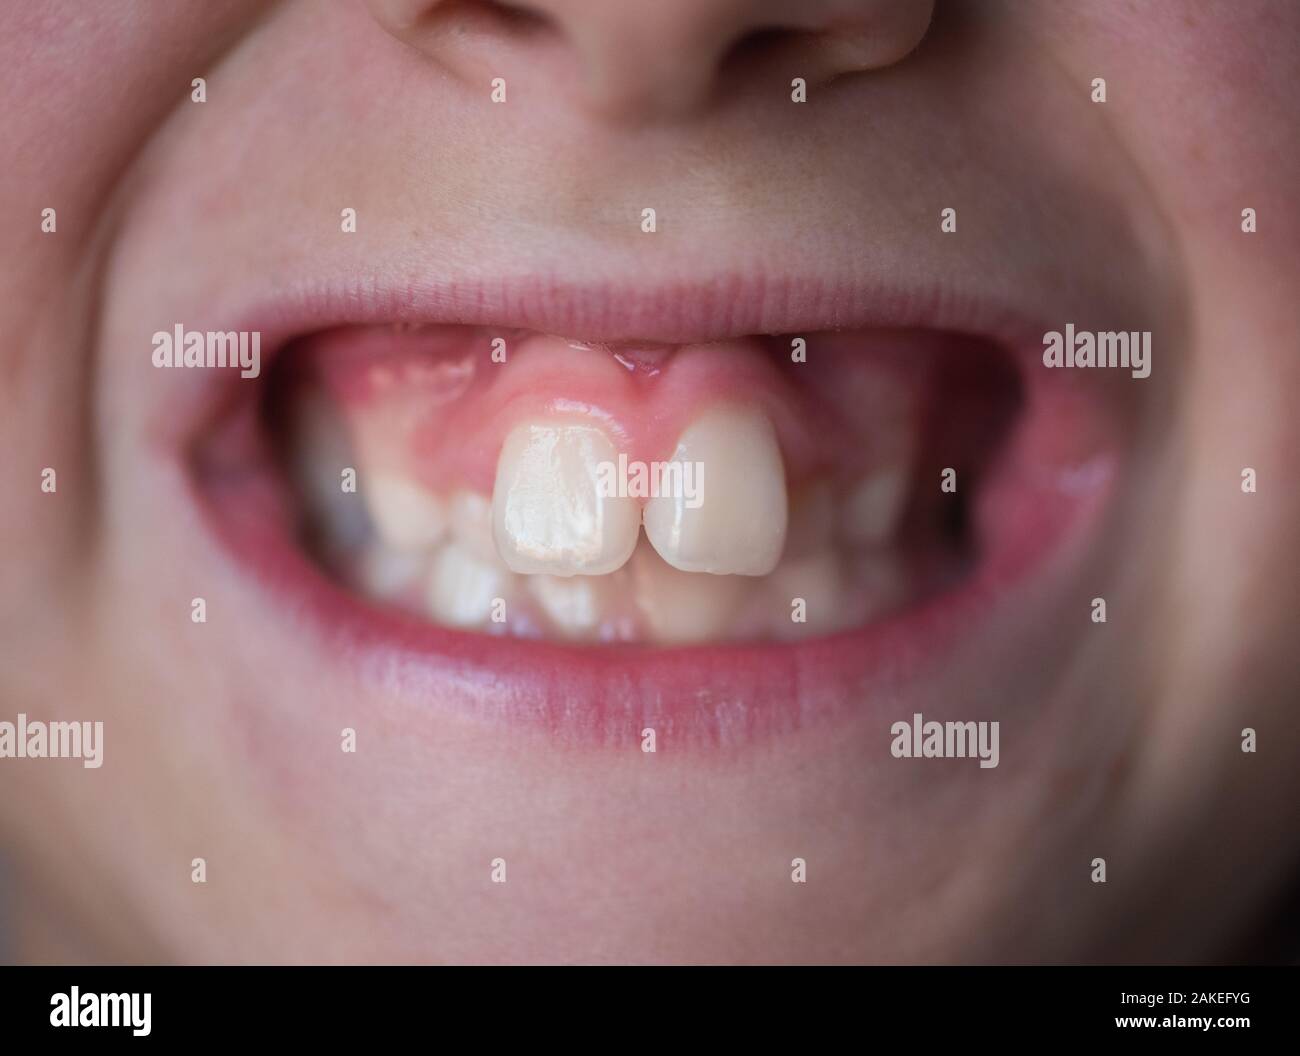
(681,311)
(688,309)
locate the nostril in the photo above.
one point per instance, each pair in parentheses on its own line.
(632,60)
(514,18)
(420,21)
(781,51)
(763,42)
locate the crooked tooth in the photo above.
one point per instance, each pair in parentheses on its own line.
(874,504)
(548,513)
(462,587)
(405,514)
(680,607)
(738,525)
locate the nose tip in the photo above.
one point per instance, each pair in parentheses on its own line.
(649,59)
(646,67)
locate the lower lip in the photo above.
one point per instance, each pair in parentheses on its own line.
(706,696)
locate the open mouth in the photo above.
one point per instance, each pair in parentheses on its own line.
(717,536)
(664,495)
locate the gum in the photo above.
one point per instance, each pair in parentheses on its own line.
(433,403)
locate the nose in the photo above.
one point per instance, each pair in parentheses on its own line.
(648,59)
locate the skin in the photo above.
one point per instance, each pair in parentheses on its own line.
(222,739)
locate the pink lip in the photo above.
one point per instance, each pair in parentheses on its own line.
(705,696)
(616,311)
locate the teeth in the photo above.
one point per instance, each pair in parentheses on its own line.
(470,516)
(548,515)
(575,605)
(819,581)
(552,543)
(387,573)
(873,506)
(462,587)
(739,528)
(405,514)
(680,607)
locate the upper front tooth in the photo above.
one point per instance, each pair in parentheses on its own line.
(549,513)
(735,522)
(405,514)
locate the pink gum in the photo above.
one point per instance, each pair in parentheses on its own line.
(439,405)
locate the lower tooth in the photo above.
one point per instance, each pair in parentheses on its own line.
(389,574)
(811,587)
(575,605)
(683,607)
(463,588)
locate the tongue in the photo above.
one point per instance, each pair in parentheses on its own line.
(435,404)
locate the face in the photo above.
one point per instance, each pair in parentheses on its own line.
(655,516)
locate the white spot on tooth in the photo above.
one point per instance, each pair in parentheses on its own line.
(549,515)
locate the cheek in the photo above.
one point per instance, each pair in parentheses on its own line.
(47,469)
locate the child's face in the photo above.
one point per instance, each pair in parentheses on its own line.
(524,738)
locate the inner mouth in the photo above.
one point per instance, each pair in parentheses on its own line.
(765,489)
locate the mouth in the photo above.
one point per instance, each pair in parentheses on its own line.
(719,535)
